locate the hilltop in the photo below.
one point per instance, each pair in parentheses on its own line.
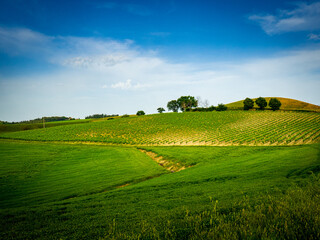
(287,104)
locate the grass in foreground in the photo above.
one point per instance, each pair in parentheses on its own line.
(40,173)
(159,206)
(292,215)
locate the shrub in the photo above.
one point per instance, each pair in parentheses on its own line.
(221,107)
(140,113)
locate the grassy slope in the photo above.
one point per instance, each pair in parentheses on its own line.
(223,173)
(286,104)
(40,173)
(210,128)
(8,127)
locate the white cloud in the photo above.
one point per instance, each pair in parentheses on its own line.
(95,77)
(126,85)
(305,17)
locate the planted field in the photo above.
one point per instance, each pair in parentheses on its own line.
(210,128)
(51,191)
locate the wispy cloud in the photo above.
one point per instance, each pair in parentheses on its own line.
(313,36)
(105,75)
(16,41)
(305,17)
(136,9)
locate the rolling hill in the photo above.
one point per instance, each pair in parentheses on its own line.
(194,128)
(287,104)
(192,175)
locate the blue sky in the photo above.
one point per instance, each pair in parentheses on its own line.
(76,58)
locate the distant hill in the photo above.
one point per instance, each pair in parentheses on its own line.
(287,104)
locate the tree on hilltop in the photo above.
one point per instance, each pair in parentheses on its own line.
(173,106)
(261,102)
(275,104)
(187,102)
(140,113)
(161,110)
(248,103)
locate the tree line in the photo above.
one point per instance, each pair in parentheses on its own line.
(274,103)
(190,104)
(101,116)
(40,120)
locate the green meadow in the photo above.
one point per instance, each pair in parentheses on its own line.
(236,175)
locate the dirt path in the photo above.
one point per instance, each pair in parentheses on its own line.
(165,163)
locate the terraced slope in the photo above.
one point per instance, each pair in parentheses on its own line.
(287,104)
(211,128)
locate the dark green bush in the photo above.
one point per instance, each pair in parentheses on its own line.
(221,107)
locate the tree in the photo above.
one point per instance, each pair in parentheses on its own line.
(173,106)
(160,110)
(221,107)
(248,103)
(261,102)
(187,102)
(275,104)
(140,113)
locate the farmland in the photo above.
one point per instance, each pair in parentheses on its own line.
(211,128)
(220,175)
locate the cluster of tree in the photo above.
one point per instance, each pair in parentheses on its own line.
(190,104)
(274,103)
(184,103)
(40,120)
(101,116)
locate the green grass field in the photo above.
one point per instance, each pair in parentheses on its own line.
(93,181)
(210,128)
(79,191)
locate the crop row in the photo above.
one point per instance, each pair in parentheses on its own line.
(210,128)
